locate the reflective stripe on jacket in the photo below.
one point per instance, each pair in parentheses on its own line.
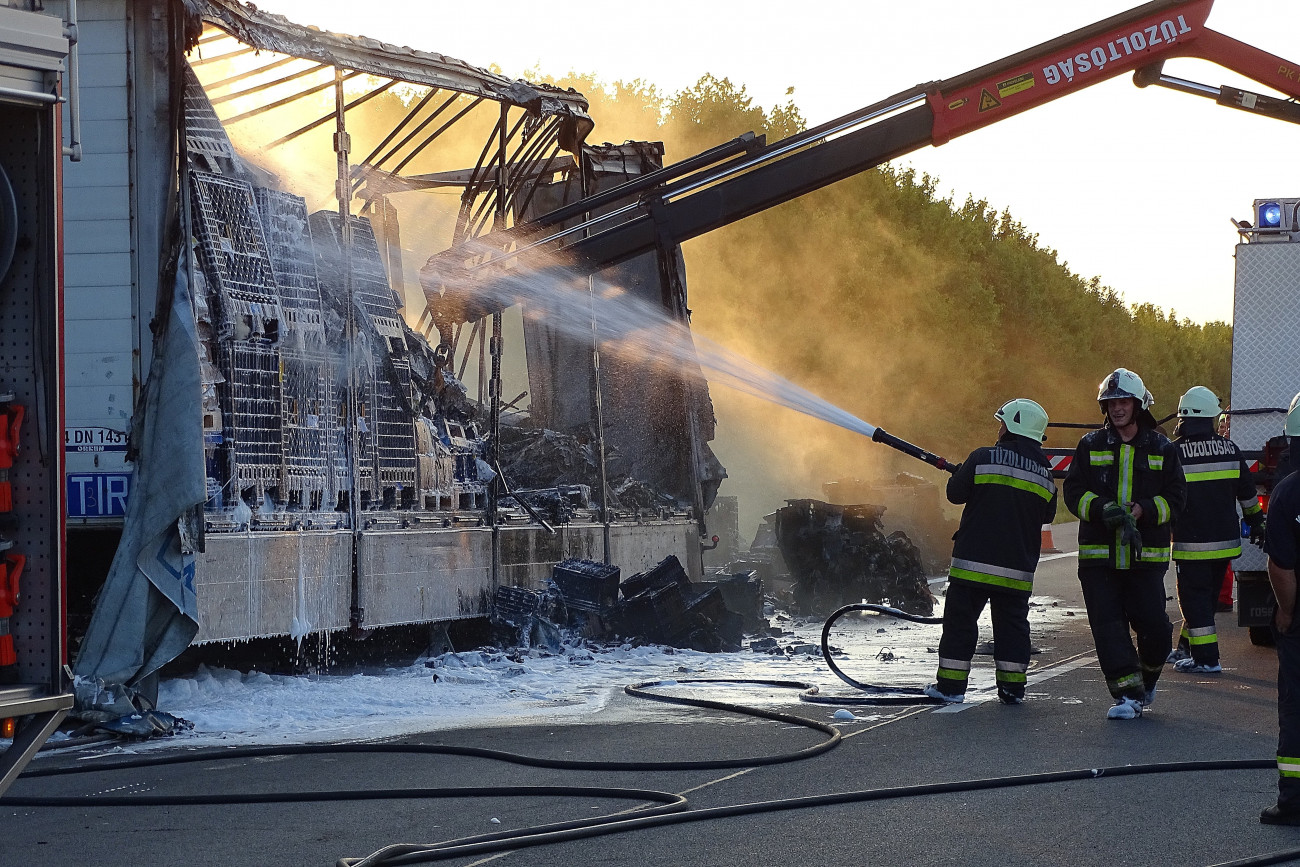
(1009,494)
(1105,470)
(1218,481)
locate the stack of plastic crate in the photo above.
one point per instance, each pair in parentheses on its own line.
(249,319)
(314,462)
(389,417)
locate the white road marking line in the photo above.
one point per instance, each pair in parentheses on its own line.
(1063,667)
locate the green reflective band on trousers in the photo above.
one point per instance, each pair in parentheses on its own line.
(1128,681)
(1207,550)
(1211,638)
(952,674)
(998,576)
(1288,767)
(1010,677)
(1085,504)
(1093,552)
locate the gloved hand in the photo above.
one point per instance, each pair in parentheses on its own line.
(1113,514)
(1130,535)
(1256,525)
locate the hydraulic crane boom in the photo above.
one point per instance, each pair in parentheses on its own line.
(762,176)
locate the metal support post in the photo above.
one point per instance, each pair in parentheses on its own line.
(583,166)
(343,191)
(494,348)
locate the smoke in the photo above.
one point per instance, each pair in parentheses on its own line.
(635,329)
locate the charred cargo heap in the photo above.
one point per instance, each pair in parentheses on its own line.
(351,477)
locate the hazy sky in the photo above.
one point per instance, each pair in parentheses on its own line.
(1136,186)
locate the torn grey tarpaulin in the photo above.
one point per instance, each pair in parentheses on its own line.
(147,611)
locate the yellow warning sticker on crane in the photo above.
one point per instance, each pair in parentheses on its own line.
(988,100)
(1021,82)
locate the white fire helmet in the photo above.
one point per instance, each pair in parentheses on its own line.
(1199,402)
(1124,383)
(1293,418)
(1024,417)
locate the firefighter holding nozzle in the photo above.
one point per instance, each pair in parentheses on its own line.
(1009,495)
(1126,486)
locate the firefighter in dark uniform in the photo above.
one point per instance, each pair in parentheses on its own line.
(1126,486)
(1207,535)
(1009,494)
(1282,545)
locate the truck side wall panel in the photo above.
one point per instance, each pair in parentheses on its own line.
(1265,357)
(99,268)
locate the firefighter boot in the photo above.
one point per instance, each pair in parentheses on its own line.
(933,691)
(1182,651)
(1125,708)
(1191,666)
(1275,815)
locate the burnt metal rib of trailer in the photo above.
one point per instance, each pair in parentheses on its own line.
(269,32)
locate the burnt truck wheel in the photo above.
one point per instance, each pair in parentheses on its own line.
(1261,636)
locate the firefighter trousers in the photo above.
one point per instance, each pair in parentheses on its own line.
(962,605)
(1199,583)
(1120,599)
(1288,718)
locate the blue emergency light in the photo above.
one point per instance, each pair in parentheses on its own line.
(1270,215)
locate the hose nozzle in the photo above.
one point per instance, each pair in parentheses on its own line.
(880,436)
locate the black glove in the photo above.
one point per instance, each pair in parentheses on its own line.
(1130,535)
(1256,524)
(1113,514)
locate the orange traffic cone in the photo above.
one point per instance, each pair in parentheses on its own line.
(1048,546)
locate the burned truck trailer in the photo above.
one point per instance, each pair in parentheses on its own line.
(284,424)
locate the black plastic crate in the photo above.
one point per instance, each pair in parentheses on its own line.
(658,614)
(667,572)
(516,606)
(586,584)
(708,604)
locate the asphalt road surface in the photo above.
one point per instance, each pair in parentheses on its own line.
(1201,817)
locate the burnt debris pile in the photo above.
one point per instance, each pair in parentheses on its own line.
(659,606)
(840,555)
(559,471)
(915,506)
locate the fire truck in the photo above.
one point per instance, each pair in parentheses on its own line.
(33,681)
(1265,374)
